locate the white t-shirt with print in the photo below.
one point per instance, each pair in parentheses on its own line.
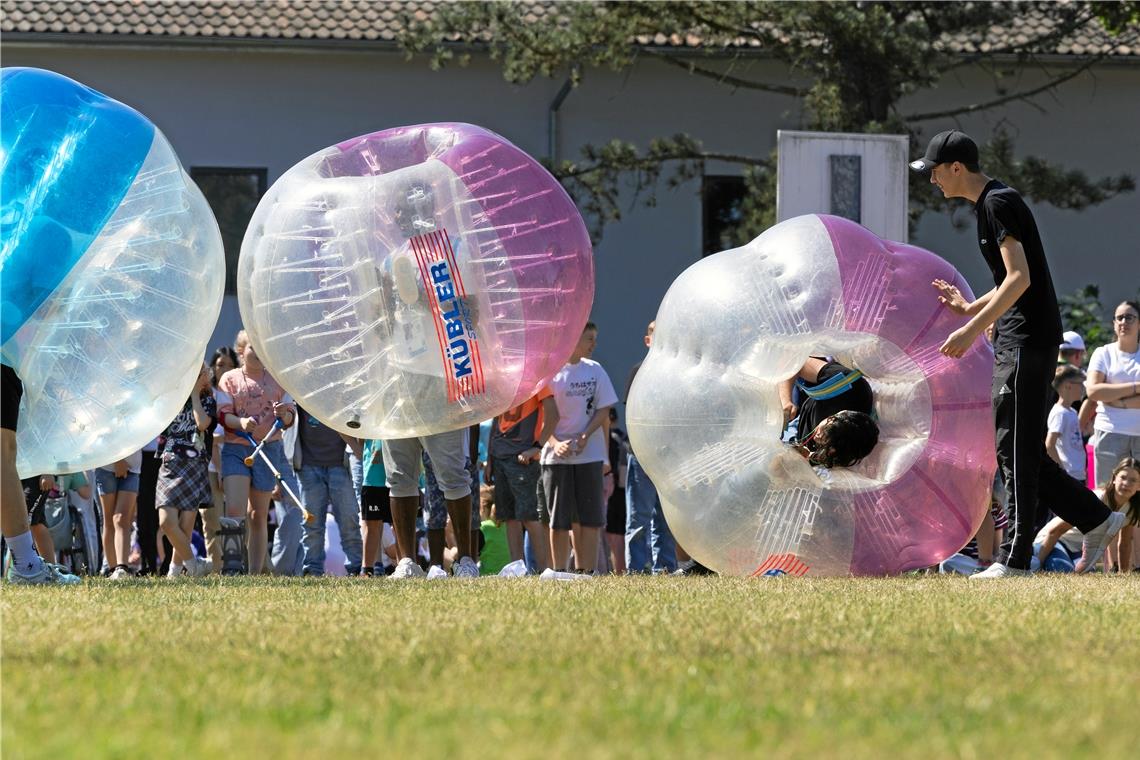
(580,390)
(1117,367)
(1070,445)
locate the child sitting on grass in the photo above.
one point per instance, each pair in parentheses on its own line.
(1058,545)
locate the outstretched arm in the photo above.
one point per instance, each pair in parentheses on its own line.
(1016,282)
(952,298)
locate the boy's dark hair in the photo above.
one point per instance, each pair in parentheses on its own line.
(1066,374)
(590,326)
(973,168)
(847,438)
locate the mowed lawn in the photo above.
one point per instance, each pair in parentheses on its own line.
(924,666)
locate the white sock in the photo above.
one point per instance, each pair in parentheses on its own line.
(25,558)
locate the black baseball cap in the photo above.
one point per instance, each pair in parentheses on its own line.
(947,147)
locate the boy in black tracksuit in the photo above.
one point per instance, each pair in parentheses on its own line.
(1026,336)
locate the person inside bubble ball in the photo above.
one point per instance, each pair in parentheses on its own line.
(827,413)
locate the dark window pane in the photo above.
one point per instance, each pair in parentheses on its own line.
(233,195)
(720,201)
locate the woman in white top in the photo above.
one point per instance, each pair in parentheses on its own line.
(1114,383)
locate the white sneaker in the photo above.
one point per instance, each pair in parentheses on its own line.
(998,570)
(201,566)
(435,572)
(1097,540)
(465,568)
(407,568)
(121,574)
(175,571)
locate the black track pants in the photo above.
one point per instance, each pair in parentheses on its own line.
(1033,481)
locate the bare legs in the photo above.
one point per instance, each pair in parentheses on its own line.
(118,521)
(177,525)
(404,525)
(371,531)
(243,502)
(585,547)
(13,508)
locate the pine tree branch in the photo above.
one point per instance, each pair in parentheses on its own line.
(723,78)
(1025,95)
(645,162)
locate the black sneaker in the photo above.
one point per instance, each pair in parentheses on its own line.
(692,567)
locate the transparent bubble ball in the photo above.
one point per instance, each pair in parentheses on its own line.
(415,280)
(112,272)
(705,418)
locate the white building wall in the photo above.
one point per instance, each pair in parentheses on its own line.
(270,107)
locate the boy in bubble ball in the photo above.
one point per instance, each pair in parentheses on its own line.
(1023,304)
(827,412)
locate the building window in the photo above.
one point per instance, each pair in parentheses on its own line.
(233,195)
(720,203)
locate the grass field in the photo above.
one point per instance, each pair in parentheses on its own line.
(927,667)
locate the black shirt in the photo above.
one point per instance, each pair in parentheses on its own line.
(629,381)
(1034,320)
(857,398)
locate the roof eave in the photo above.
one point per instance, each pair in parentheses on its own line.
(332,44)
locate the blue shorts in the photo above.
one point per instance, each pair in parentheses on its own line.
(260,476)
(107,484)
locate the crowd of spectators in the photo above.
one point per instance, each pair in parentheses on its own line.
(550,484)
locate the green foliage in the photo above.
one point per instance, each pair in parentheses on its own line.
(851,64)
(1082,311)
(607,668)
(1117,17)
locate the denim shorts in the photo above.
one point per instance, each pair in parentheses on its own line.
(107,484)
(260,476)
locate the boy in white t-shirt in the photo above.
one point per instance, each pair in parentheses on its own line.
(1063,439)
(574,457)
